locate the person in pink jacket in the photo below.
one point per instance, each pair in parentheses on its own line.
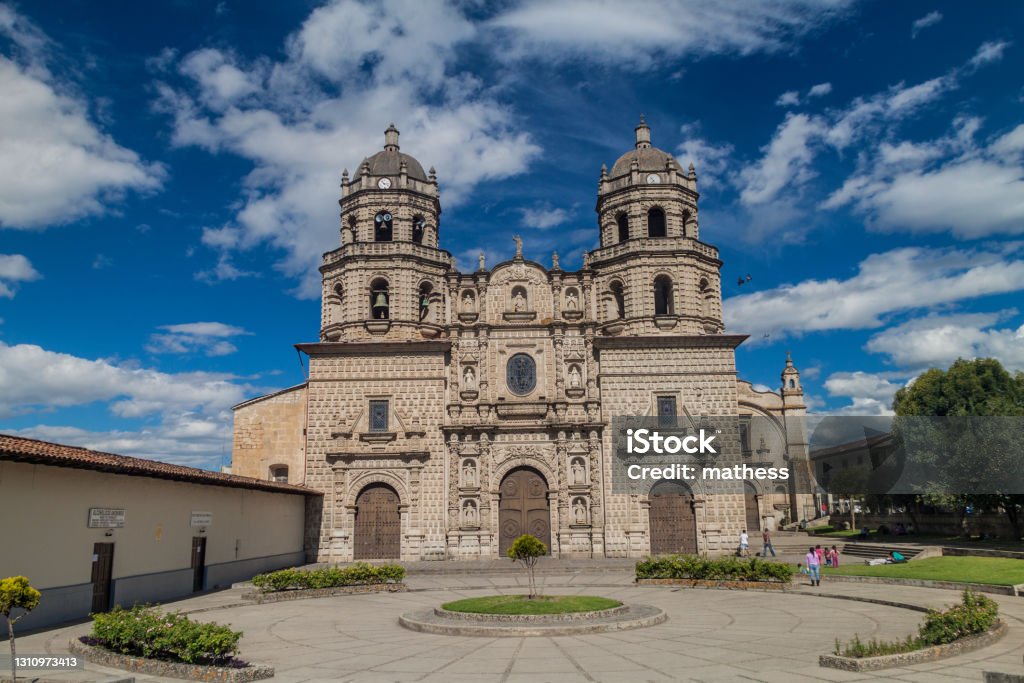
(814,566)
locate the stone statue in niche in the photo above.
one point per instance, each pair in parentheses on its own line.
(469,473)
(571,302)
(579,473)
(579,512)
(425,307)
(575,378)
(518,301)
(469,516)
(468,304)
(469,379)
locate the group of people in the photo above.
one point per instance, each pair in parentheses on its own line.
(766,540)
(816,558)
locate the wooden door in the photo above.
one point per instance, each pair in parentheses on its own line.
(102,575)
(198,563)
(378,524)
(750,503)
(673,524)
(523,508)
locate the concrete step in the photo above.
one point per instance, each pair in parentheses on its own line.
(871,551)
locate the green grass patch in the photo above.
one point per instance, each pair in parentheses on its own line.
(998,571)
(853,533)
(520,604)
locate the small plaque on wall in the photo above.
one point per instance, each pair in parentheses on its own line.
(106,518)
(201,520)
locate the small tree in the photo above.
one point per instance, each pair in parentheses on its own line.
(528,549)
(15,593)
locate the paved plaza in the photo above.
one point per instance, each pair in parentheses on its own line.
(711,635)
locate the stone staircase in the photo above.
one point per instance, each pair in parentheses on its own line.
(854,551)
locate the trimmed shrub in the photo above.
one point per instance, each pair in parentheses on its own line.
(975,614)
(144,632)
(721,569)
(358,574)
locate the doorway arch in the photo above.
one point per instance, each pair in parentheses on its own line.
(378,532)
(673,521)
(523,508)
(750,505)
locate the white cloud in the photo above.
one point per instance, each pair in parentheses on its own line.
(15,268)
(786,161)
(948,184)
(869,393)
(543,217)
(645,32)
(938,340)
(819,90)
(188,440)
(924,22)
(710,160)
(209,338)
(790,98)
(56,165)
(301,119)
(886,283)
(991,51)
(32,378)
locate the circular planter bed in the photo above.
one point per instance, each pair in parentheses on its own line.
(727,584)
(260,597)
(927,654)
(156,667)
(548,609)
(515,615)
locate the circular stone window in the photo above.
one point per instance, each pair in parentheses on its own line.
(521,374)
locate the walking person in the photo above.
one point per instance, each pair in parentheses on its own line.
(834,554)
(766,538)
(744,544)
(820,552)
(813,567)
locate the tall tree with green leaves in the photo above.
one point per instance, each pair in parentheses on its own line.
(970,389)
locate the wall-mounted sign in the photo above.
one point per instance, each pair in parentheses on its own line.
(201,520)
(106,518)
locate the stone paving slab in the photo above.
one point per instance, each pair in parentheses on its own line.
(710,635)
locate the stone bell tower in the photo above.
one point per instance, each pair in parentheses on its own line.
(385,281)
(656,276)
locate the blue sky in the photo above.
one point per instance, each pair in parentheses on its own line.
(169,171)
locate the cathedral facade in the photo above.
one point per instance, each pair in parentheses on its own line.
(445,412)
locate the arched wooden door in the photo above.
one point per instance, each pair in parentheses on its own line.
(378,530)
(523,508)
(673,522)
(750,503)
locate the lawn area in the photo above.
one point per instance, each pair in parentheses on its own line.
(850,533)
(520,604)
(992,570)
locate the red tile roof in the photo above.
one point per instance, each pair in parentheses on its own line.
(19,449)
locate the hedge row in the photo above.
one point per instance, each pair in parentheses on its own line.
(358,574)
(975,614)
(144,632)
(722,568)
